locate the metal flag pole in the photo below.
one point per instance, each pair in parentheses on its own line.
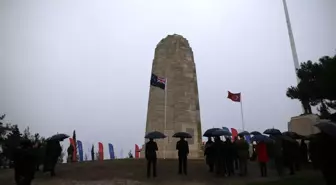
(242,113)
(165,115)
(291,39)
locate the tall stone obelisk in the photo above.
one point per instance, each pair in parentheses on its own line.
(179,109)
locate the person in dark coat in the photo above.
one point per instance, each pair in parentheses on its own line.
(228,150)
(53,151)
(303,152)
(296,155)
(24,163)
(219,153)
(209,153)
(243,154)
(182,147)
(235,154)
(289,155)
(150,154)
(325,153)
(70,151)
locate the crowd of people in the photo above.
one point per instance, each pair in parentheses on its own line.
(224,157)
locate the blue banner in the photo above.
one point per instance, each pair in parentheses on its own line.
(111,151)
(80,150)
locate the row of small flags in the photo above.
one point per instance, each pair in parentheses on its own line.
(81,152)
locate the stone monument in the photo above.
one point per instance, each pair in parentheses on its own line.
(304,124)
(174,60)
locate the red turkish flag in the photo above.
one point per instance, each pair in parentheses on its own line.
(236,97)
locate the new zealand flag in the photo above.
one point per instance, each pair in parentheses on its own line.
(158,82)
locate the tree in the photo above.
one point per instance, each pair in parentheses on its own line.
(317,85)
(75,144)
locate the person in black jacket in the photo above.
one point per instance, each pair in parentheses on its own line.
(183,150)
(24,163)
(53,151)
(150,154)
(228,151)
(209,154)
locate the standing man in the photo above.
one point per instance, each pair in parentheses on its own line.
(243,154)
(53,151)
(209,154)
(182,147)
(150,154)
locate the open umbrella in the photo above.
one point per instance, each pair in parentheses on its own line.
(221,132)
(284,138)
(155,135)
(327,127)
(293,135)
(182,135)
(255,133)
(244,133)
(208,133)
(58,137)
(272,131)
(262,138)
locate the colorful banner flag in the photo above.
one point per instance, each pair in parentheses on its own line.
(111,151)
(80,150)
(137,151)
(101,151)
(234,133)
(74,155)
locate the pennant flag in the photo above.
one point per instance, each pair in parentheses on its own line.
(80,150)
(137,151)
(236,97)
(158,81)
(111,151)
(101,151)
(248,139)
(72,142)
(234,132)
(226,129)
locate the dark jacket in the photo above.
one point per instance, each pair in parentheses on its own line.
(151,148)
(183,147)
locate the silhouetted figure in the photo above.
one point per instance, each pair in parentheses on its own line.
(209,153)
(228,156)
(183,150)
(289,155)
(235,154)
(150,154)
(243,154)
(24,163)
(70,152)
(92,153)
(278,154)
(303,152)
(261,150)
(296,156)
(219,153)
(53,151)
(325,156)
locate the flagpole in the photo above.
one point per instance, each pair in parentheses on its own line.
(165,115)
(242,114)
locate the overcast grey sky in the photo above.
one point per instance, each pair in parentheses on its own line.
(86,65)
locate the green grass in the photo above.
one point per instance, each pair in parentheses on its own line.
(307,180)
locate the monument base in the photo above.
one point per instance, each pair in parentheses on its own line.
(304,124)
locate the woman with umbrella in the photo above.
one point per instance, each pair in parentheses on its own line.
(182,147)
(261,150)
(150,150)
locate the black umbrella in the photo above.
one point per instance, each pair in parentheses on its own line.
(208,133)
(182,135)
(155,135)
(293,135)
(284,137)
(255,133)
(58,137)
(327,127)
(262,138)
(244,133)
(221,132)
(272,131)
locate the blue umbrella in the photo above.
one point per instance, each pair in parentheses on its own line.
(208,133)
(272,131)
(155,135)
(221,132)
(255,133)
(262,138)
